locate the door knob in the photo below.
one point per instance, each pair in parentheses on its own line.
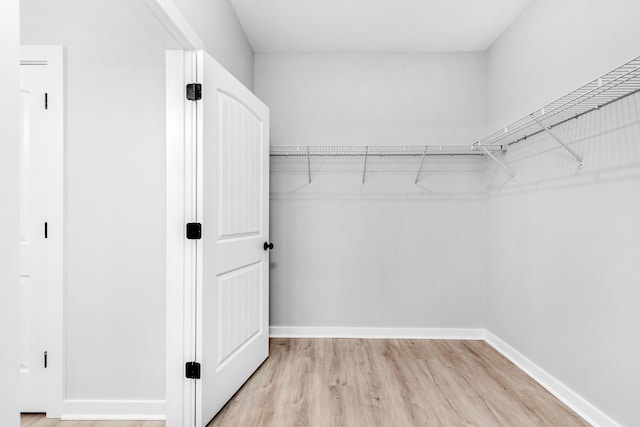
(267,246)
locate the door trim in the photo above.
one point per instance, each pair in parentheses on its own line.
(165,21)
(172,29)
(181,253)
(53,57)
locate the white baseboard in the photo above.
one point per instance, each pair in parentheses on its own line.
(376,333)
(134,410)
(155,409)
(567,396)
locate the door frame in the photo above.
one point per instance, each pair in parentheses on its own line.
(173,31)
(181,42)
(182,157)
(53,58)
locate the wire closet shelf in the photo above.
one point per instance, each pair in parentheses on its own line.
(613,86)
(374,150)
(366,152)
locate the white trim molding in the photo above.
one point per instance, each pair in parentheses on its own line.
(573,400)
(53,58)
(377,333)
(180,332)
(98,410)
(165,21)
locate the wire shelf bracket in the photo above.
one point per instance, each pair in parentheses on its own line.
(420,168)
(309,163)
(364,170)
(501,164)
(553,135)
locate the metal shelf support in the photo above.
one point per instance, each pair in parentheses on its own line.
(309,163)
(502,165)
(553,135)
(420,168)
(364,170)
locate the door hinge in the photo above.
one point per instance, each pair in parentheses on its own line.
(46,101)
(194,91)
(45,360)
(194,230)
(192,370)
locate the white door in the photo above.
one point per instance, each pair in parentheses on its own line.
(232,297)
(33,253)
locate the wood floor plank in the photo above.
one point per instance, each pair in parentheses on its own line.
(39,420)
(354,382)
(371,383)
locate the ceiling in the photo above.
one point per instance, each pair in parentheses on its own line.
(314,26)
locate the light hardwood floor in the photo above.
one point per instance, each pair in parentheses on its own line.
(38,420)
(353,382)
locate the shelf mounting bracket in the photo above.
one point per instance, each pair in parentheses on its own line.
(309,163)
(424,154)
(364,170)
(553,135)
(502,165)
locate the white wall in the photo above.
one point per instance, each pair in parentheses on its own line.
(562,277)
(9,220)
(374,99)
(216,23)
(563,271)
(115,198)
(553,48)
(386,254)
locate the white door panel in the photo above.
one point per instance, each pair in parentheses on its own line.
(239,166)
(233,267)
